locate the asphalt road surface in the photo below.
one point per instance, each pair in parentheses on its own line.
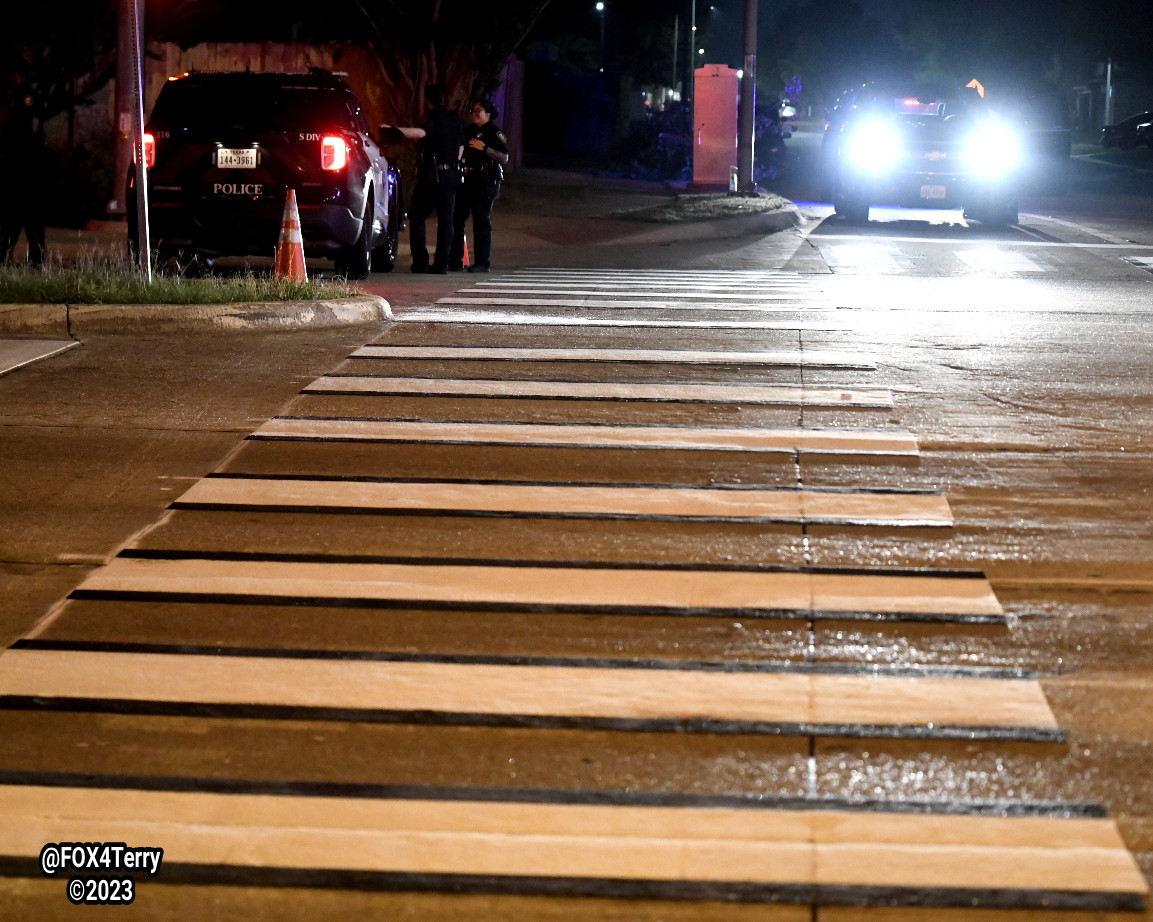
(793,577)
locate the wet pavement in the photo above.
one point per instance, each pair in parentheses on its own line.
(1022,387)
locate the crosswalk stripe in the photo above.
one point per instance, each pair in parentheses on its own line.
(532,695)
(578,435)
(746,305)
(1141,262)
(458,315)
(642,289)
(815,357)
(667,277)
(876,256)
(501,585)
(794,855)
(716,504)
(679,392)
(993,259)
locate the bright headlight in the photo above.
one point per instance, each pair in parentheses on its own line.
(993,149)
(874,146)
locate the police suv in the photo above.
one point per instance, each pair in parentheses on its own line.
(223,149)
(924,147)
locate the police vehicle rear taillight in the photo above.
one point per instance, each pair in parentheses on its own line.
(333,153)
(149,150)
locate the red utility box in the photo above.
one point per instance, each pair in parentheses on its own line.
(715,92)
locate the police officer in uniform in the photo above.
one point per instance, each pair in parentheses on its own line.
(437,182)
(23,171)
(485,154)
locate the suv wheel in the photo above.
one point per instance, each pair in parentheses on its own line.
(353,261)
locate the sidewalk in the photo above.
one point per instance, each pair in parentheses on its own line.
(538,211)
(541,218)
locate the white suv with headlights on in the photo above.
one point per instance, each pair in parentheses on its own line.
(921,147)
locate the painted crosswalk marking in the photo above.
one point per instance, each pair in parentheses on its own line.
(875,256)
(680,392)
(815,357)
(1141,262)
(635,288)
(786,853)
(459,315)
(551,500)
(669,276)
(741,305)
(532,695)
(800,853)
(624,589)
(583,435)
(995,259)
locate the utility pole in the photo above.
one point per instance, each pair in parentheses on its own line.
(123,126)
(746,115)
(1109,92)
(132,12)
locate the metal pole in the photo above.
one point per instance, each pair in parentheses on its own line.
(601,12)
(1109,92)
(132,7)
(747,113)
(123,126)
(691,60)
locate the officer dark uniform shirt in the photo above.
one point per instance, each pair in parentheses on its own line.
(438,178)
(483,174)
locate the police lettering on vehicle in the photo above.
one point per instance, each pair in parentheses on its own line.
(309,136)
(237,188)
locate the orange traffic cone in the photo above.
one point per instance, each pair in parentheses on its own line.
(290,248)
(466,262)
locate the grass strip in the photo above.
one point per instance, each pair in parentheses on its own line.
(118,284)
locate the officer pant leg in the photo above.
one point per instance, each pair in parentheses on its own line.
(445,218)
(459,227)
(482,202)
(423,203)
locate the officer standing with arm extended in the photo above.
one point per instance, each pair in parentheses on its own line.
(485,154)
(437,181)
(23,170)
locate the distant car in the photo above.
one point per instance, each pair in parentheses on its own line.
(1127,134)
(916,146)
(223,149)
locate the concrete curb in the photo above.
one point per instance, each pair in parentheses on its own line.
(81,319)
(750,225)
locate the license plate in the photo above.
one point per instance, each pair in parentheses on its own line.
(933,192)
(231,158)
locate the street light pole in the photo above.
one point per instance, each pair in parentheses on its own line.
(746,115)
(601,11)
(130,10)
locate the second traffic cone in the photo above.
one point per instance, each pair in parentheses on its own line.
(466,262)
(290,247)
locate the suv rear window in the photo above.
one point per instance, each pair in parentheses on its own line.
(254,108)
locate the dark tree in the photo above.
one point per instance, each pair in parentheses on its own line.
(66,49)
(463,45)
